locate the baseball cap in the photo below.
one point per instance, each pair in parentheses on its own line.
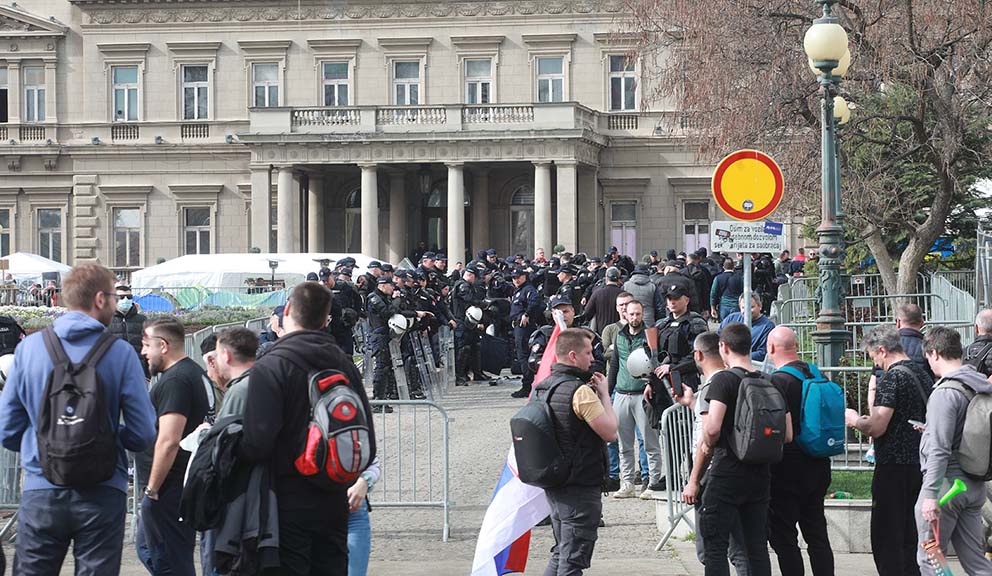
(491,252)
(569,269)
(639,269)
(324,273)
(386,267)
(279,311)
(441,257)
(596,260)
(613,250)
(345,272)
(517,272)
(417,275)
(429,256)
(558,300)
(675,291)
(312,277)
(374,264)
(384,280)
(654,253)
(613,273)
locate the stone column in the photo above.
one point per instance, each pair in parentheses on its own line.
(568,205)
(14,89)
(286,219)
(51,103)
(315,213)
(456,214)
(261,208)
(370,210)
(397,216)
(480,211)
(542,207)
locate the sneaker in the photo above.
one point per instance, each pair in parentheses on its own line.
(418,395)
(647,494)
(612,485)
(461,382)
(494,382)
(522,393)
(626,491)
(380,408)
(645,480)
(661,486)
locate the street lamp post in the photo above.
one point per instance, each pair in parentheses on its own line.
(826,46)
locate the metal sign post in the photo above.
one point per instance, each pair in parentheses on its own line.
(747,291)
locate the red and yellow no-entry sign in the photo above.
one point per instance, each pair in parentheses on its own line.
(748,185)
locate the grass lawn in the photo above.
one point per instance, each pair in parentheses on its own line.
(858,484)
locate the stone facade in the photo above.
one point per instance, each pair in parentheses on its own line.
(171,127)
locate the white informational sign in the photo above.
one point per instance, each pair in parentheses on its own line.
(737,236)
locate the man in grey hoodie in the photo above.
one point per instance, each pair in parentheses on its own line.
(961,518)
(645,292)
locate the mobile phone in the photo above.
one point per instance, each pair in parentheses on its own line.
(676,379)
(918,424)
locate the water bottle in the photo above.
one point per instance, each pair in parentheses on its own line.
(841,496)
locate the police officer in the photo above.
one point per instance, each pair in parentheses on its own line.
(467,331)
(366,282)
(526,310)
(569,286)
(539,339)
(381,307)
(336,326)
(676,334)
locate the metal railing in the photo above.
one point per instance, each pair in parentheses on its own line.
(10,490)
(677,448)
(168,298)
(413,454)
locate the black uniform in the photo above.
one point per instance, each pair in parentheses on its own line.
(467,334)
(380,309)
(527,301)
(539,342)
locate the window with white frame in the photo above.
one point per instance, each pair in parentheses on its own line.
(478,81)
(623,226)
(196,91)
(34,94)
(50,233)
(5,232)
(125,91)
(265,84)
(4,114)
(196,229)
(550,79)
(623,83)
(406,82)
(337,83)
(127,237)
(696,222)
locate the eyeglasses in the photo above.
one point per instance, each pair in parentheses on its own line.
(111,295)
(124,296)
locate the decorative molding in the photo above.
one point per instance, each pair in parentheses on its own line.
(259,50)
(126,49)
(193,51)
(128,191)
(416,45)
(684,185)
(616,39)
(624,186)
(14,163)
(18,23)
(50,162)
(549,41)
(477,42)
(331,47)
(196,193)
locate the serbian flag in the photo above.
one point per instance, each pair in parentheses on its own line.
(504,540)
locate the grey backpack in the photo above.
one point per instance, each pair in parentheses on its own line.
(759,420)
(975,451)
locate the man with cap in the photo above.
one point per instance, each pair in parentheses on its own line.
(674,273)
(569,287)
(526,311)
(468,332)
(539,339)
(381,307)
(701,280)
(336,326)
(676,334)
(366,282)
(601,308)
(654,258)
(268,337)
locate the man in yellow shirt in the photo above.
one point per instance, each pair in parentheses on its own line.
(584,422)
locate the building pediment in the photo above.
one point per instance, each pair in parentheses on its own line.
(15,22)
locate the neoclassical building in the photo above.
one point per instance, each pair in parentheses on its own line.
(134,130)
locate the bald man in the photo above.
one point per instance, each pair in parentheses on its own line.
(799,481)
(979,353)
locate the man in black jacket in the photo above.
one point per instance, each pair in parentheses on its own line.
(128,322)
(313,522)
(979,353)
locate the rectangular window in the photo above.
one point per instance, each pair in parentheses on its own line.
(5,232)
(34,94)
(196,88)
(551,80)
(197,230)
(623,84)
(127,237)
(696,216)
(623,226)
(50,233)
(265,81)
(4,116)
(337,84)
(406,83)
(125,93)
(478,81)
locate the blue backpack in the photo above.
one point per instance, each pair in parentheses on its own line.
(821,414)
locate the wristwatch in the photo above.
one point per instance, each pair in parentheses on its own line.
(151,493)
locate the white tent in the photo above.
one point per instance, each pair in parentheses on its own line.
(230,271)
(26,267)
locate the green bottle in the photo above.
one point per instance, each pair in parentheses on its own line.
(840,496)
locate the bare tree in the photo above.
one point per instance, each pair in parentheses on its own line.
(920,79)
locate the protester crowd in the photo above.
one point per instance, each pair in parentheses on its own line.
(266,457)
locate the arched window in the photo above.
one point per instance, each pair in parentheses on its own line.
(438,198)
(522,220)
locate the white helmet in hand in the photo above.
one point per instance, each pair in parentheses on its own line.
(474,314)
(641,363)
(6,364)
(399,324)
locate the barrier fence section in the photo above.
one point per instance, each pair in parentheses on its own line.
(10,490)
(677,448)
(413,454)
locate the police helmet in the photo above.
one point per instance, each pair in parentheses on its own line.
(641,362)
(491,330)
(6,364)
(474,314)
(399,324)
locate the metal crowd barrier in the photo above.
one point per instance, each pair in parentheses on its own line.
(10,490)
(414,457)
(676,438)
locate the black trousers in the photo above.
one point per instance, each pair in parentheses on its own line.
(894,490)
(797,490)
(728,500)
(467,353)
(313,532)
(383,379)
(521,335)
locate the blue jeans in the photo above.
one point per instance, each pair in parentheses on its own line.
(165,544)
(359,541)
(90,518)
(613,449)
(728,308)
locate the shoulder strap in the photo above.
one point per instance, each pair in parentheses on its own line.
(54,346)
(792,372)
(100,347)
(980,359)
(912,376)
(956,384)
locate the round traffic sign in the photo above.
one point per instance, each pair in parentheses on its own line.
(748,185)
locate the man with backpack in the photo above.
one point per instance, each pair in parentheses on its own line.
(800,481)
(955,445)
(584,421)
(979,352)
(183,399)
(747,425)
(11,334)
(79,498)
(313,515)
(901,396)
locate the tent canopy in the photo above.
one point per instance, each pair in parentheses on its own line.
(27,267)
(231,271)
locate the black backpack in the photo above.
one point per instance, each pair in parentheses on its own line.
(974,357)
(77,446)
(759,419)
(11,334)
(540,460)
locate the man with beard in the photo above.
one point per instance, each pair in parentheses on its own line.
(165,544)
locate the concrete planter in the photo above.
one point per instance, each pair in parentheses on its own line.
(849,525)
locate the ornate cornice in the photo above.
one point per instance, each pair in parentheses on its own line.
(107,12)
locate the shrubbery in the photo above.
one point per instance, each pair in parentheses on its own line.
(34,318)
